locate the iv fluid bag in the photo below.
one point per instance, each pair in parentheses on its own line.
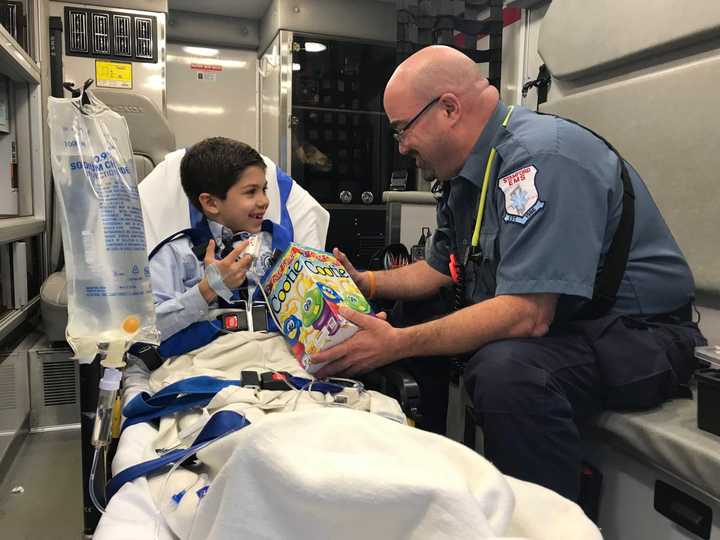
(106,265)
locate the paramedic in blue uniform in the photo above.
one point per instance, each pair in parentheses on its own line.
(540,356)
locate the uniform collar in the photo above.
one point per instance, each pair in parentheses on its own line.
(474,167)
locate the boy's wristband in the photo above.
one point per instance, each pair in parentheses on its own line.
(216,283)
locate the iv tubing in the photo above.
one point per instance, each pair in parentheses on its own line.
(91,482)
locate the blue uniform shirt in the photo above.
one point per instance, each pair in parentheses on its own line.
(554,203)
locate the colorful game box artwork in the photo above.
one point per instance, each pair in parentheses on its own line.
(305,288)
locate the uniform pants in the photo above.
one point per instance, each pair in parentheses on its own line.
(530,394)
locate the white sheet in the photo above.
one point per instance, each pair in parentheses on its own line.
(225,358)
(344,474)
(323,473)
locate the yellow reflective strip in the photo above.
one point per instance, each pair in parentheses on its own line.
(483,196)
(507,116)
(486,181)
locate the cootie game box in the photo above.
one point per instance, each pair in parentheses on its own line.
(304,290)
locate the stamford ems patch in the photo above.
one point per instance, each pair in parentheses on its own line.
(522,200)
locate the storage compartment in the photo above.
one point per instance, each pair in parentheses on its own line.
(14,403)
(708,400)
(54,388)
(359,231)
(341,148)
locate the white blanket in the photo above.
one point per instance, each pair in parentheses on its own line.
(319,472)
(345,474)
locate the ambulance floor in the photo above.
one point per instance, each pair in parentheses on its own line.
(48,469)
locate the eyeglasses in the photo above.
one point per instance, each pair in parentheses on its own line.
(398,134)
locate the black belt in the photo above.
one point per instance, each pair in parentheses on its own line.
(680,315)
(237,321)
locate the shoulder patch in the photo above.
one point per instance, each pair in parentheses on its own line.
(522,200)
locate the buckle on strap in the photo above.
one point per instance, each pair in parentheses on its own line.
(252,319)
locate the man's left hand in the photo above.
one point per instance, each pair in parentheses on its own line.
(375,344)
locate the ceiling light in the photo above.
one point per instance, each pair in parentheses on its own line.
(190,60)
(192,109)
(296,66)
(313,46)
(201,51)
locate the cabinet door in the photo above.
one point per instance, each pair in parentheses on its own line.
(341,156)
(359,231)
(341,144)
(12,17)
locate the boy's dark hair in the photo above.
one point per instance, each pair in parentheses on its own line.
(214,165)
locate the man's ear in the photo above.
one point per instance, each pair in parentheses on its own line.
(451,106)
(208,203)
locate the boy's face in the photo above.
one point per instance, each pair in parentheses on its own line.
(245,204)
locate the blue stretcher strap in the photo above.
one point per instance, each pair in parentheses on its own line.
(196,392)
(281,235)
(180,396)
(285,184)
(219,425)
(281,238)
(191,337)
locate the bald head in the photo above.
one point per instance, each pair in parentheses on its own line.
(432,71)
(439,102)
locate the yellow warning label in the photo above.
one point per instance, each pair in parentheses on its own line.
(113,74)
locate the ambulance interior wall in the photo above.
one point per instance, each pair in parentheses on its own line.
(213,94)
(653,93)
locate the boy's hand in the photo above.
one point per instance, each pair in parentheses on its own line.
(360,278)
(233,268)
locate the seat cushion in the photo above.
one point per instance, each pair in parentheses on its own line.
(667,437)
(53,306)
(143,166)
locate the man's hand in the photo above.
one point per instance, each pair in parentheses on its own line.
(376,344)
(360,278)
(233,268)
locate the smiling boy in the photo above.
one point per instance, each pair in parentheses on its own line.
(205,267)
